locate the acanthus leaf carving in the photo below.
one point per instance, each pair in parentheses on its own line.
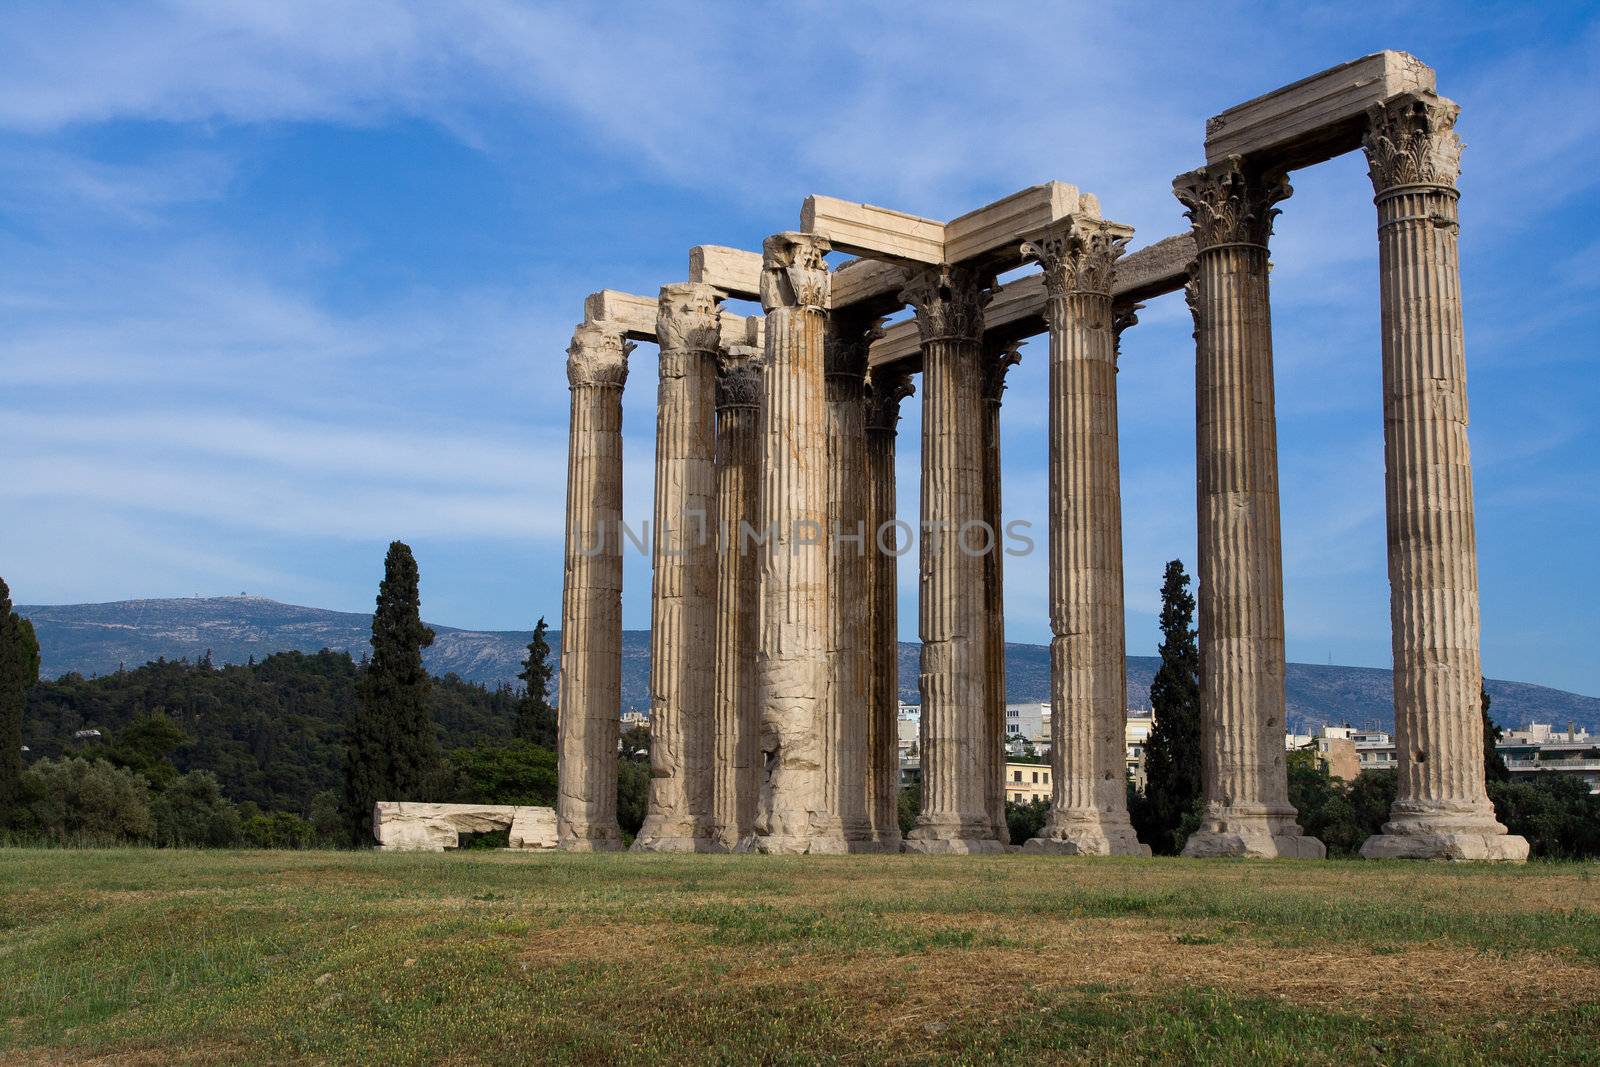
(1229,203)
(739,377)
(598,356)
(1411,140)
(1079,255)
(886,388)
(1001,360)
(687,318)
(794,273)
(949,302)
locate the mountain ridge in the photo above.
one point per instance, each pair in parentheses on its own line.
(96,638)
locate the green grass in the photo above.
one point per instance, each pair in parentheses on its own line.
(483,957)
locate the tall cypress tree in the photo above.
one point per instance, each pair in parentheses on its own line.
(1172,755)
(19,670)
(536,719)
(390,745)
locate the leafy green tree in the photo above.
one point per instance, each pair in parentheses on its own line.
(146,746)
(191,812)
(327,822)
(1026,819)
(633,796)
(390,745)
(909,806)
(508,772)
(1555,812)
(1172,755)
(1494,765)
(536,719)
(19,670)
(80,801)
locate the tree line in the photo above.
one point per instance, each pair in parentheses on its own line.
(294,750)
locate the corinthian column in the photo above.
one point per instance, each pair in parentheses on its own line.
(792,651)
(886,387)
(1247,810)
(590,700)
(1441,810)
(994,384)
(683,592)
(737,715)
(1088,756)
(844,712)
(955,814)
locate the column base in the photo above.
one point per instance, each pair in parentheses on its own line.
(1445,831)
(947,836)
(676,844)
(572,838)
(1253,835)
(775,845)
(891,842)
(1086,837)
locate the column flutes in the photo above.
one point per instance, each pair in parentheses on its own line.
(955,816)
(737,719)
(1240,596)
(683,589)
(590,699)
(1088,756)
(792,657)
(998,362)
(845,713)
(1441,809)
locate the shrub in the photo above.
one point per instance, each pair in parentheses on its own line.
(79,801)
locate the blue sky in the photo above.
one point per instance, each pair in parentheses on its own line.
(280,282)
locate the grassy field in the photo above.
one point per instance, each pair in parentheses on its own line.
(480,957)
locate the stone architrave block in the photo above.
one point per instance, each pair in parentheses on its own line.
(410,826)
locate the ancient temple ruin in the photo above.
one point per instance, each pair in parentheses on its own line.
(773,623)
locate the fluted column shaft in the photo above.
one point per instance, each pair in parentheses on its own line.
(1089,809)
(845,708)
(684,586)
(792,656)
(737,726)
(1441,808)
(994,383)
(1240,596)
(955,815)
(590,699)
(886,388)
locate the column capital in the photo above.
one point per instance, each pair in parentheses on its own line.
(793,272)
(886,387)
(1411,140)
(687,319)
(1230,204)
(949,302)
(845,347)
(739,378)
(1078,254)
(1122,318)
(1002,359)
(598,356)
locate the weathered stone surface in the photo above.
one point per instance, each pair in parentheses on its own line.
(591,593)
(1441,809)
(405,826)
(684,588)
(955,814)
(733,271)
(845,713)
(1089,811)
(997,362)
(1240,595)
(637,317)
(735,781)
(990,237)
(885,390)
(1018,308)
(873,231)
(1315,118)
(791,659)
